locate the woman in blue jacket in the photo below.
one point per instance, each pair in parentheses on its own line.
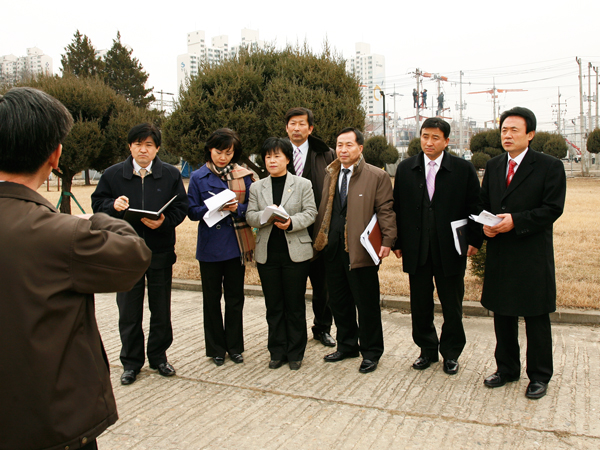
(224,248)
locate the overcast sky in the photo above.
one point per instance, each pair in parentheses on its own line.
(517,44)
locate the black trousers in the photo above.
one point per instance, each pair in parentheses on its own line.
(451,290)
(221,336)
(351,291)
(284,285)
(539,346)
(131,311)
(320,301)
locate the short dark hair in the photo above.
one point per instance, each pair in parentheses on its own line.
(360,139)
(272,144)
(525,113)
(223,139)
(142,131)
(299,111)
(436,122)
(32,126)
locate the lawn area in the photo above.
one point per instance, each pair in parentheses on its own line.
(576,246)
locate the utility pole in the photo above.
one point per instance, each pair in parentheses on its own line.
(581,119)
(558,119)
(596,97)
(418,76)
(589,99)
(384,133)
(460,108)
(162,104)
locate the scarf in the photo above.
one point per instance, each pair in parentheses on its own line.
(234,175)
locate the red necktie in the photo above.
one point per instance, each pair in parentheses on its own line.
(511,171)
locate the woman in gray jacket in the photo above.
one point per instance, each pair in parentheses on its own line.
(283,251)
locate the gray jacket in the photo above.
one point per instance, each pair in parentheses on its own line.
(299,202)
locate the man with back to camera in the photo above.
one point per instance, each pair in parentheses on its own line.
(55,388)
(527,190)
(144,182)
(353,191)
(311,158)
(432,190)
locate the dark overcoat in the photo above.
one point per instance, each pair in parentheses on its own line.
(456,197)
(519,268)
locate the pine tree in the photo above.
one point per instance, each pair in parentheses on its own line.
(80,58)
(126,75)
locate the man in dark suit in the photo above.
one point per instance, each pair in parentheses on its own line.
(311,158)
(143,181)
(526,189)
(432,190)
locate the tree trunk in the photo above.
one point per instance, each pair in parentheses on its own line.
(67,182)
(87,177)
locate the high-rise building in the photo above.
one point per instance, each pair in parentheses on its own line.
(199,53)
(370,69)
(13,68)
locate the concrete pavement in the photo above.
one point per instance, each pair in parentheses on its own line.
(333,406)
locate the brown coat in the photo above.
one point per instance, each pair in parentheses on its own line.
(369,192)
(55,388)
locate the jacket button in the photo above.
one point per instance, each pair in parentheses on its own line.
(503,208)
(430,209)
(67,447)
(84,440)
(218,227)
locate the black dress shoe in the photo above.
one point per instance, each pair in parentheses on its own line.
(367,366)
(451,366)
(536,389)
(276,363)
(423,362)
(325,339)
(237,358)
(498,379)
(165,369)
(128,377)
(338,356)
(295,365)
(218,360)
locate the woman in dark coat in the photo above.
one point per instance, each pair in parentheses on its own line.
(224,248)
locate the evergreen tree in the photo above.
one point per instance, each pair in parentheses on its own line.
(102,120)
(251,92)
(80,58)
(126,75)
(593,141)
(378,152)
(414,146)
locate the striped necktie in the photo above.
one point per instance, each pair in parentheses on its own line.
(298,162)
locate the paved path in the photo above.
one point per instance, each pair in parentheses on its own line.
(333,406)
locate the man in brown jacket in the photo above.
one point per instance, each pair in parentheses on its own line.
(353,191)
(55,388)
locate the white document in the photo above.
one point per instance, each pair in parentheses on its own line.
(455,225)
(270,210)
(486,218)
(214,204)
(366,243)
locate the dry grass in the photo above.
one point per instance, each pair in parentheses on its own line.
(576,245)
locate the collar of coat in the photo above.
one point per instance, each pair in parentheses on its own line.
(8,189)
(334,172)
(157,168)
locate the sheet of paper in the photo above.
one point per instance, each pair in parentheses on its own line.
(214,203)
(486,218)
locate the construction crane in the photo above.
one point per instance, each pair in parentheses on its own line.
(494,93)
